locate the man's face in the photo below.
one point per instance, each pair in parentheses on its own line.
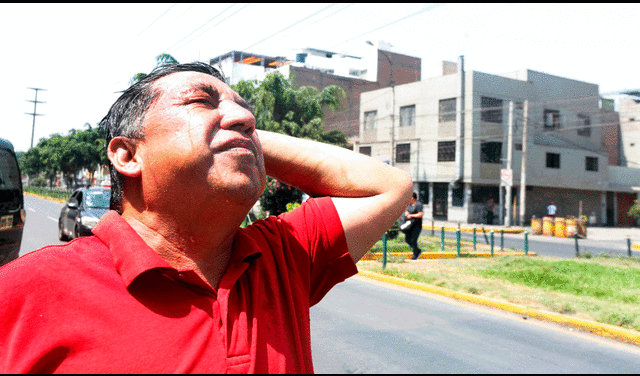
(200,146)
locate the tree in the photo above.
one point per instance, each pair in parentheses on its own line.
(634,211)
(162,59)
(80,149)
(282,107)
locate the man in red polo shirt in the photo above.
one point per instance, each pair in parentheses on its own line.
(169,283)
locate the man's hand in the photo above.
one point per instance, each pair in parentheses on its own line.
(369,195)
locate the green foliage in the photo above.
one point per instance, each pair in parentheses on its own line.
(279,106)
(38,181)
(568,276)
(277,197)
(634,212)
(67,154)
(162,59)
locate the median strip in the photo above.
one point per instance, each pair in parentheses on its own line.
(591,327)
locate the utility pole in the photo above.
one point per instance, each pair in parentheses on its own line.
(34,114)
(507,220)
(523,168)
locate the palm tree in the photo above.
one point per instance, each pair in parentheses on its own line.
(162,59)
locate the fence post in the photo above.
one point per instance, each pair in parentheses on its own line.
(442,238)
(501,240)
(526,243)
(629,245)
(458,241)
(474,238)
(491,242)
(384,250)
(575,236)
(433,229)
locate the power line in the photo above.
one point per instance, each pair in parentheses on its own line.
(201,26)
(156,19)
(423,10)
(290,26)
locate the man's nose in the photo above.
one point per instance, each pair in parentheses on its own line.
(236,117)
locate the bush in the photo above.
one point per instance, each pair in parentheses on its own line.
(38,181)
(277,195)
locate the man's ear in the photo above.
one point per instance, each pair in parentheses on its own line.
(122,154)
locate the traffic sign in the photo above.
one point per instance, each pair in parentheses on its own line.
(506,177)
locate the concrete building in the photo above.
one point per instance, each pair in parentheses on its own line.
(376,68)
(451,134)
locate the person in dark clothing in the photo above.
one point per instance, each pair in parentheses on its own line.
(414,214)
(490,211)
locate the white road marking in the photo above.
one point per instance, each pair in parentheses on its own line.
(53,219)
(31,209)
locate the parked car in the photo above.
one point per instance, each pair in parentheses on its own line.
(82,211)
(12,213)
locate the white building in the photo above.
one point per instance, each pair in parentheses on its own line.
(451,132)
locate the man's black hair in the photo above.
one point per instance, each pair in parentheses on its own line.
(126,115)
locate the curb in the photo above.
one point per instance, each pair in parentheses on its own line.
(602,330)
(45,197)
(464,229)
(369,256)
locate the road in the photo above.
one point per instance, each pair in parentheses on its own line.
(41,226)
(364,326)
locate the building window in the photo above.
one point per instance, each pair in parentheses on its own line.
(447,110)
(490,152)
(591,164)
(403,153)
(446,151)
(551,119)
(370,119)
(457,197)
(366,150)
(491,110)
(584,122)
(407,116)
(553,160)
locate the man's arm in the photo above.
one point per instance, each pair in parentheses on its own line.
(368,194)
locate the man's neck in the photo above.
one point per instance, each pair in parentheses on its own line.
(202,245)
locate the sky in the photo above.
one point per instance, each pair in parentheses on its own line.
(85,54)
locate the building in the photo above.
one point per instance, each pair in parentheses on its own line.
(451,134)
(377,68)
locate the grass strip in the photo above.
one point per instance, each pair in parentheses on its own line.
(600,289)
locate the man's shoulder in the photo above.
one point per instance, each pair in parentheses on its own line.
(56,262)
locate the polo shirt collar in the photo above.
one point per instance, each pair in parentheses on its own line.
(133,257)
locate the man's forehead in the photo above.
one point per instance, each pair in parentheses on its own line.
(181,84)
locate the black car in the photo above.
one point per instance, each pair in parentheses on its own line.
(82,211)
(12,214)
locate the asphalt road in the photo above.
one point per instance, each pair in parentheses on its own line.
(41,226)
(364,326)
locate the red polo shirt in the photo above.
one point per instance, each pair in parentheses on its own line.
(109,304)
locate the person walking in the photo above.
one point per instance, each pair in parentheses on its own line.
(551,210)
(414,214)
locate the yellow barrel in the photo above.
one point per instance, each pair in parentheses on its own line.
(560,229)
(536,225)
(572,228)
(547,226)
